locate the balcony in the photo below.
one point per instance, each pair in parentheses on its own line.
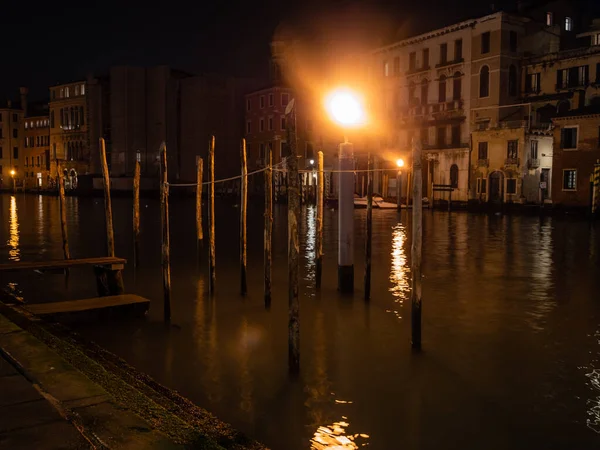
(450,63)
(483,163)
(533,163)
(511,162)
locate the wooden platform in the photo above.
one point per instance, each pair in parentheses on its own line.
(126,301)
(113,263)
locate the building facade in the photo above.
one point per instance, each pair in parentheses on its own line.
(11,148)
(36,151)
(69,132)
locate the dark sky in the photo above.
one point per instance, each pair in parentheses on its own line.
(56,42)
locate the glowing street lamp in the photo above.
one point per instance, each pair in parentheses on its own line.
(346,109)
(12,173)
(400,164)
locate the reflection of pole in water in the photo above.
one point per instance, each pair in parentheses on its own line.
(14,254)
(399,274)
(245,375)
(318,386)
(311,242)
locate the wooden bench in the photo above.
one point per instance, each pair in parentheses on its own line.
(126,302)
(109,280)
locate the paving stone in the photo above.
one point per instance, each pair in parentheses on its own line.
(16,389)
(50,436)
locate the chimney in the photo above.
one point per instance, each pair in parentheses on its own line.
(24,91)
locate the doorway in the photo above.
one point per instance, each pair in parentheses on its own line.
(496,187)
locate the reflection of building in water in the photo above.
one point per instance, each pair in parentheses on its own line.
(245,351)
(334,437)
(311,235)
(14,254)
(541,282)
(399,275)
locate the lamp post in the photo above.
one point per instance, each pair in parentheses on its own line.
(12,174)
(346,109)
(400,164)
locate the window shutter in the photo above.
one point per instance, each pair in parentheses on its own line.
(586,75)
(559,78)
(528,83)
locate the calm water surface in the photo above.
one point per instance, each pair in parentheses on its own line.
(511,354)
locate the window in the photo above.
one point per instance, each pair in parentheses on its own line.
(76,90)
(261,125)
(424,136)
(67,92)
(424,92)
(271,100)
(458,50)
(481,186)
(83,89)
(484,82)
(511,186)
(261,151)
(412,61)
(534,149)
(15,118)
(596,41)
(482,150)
(456,135)
(549,18)
(53,94)
(512,80)
(26,124)
(485,42)
(512,41)
(386,69)
(285,98)
(411,93)
(282,123)
(425,59)
(248,127)
(262,101)
(15,133)
(457,87)
(26,161)
(442,89)
(396,66)
(569,180)
(532,83)
(572,77)
(441,137)
(62,92)
(52,119)
(270,124)
(16,153)
(454,176)
(568,138)
(568,24)
(81,116)
(38,161)
(443,53)
(1,157)
(512,150)
(248,104)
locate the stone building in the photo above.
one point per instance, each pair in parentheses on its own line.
(36,146)
(11,148)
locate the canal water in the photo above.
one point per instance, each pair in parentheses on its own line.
(511,331)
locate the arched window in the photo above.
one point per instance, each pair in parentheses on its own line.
(457,86)
(484,82)
(512,81)
(442,89)
(424,92)
(454,176)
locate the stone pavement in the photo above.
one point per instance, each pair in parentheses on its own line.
(28,420)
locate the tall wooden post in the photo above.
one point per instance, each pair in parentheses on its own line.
(243,207)
(199,174)
(211,216)
(136,212)
(268,224)
(369,228)
(293,247)
(110,237)
(320,198)
(398,190)
(417,241)
(63,212)
(166,245)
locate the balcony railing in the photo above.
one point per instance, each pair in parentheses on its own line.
(511,162)
(533,163)
(483,163)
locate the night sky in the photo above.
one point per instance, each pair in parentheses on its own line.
(58,42)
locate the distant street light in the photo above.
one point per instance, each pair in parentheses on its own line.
(345,107)
(400,162)
(312,161)
(12,172)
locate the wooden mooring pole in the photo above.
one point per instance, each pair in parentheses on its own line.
(63,212)
(109,282)
(268,224)
(199,175)
(136,211)
(320,198)
(166,245)
(211,216)
(369,228)
(417,241)
(243,208)
(293,247)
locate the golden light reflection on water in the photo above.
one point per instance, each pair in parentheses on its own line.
(593,421)
(311,242)
(14,253)
(400,273)
(335,437)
